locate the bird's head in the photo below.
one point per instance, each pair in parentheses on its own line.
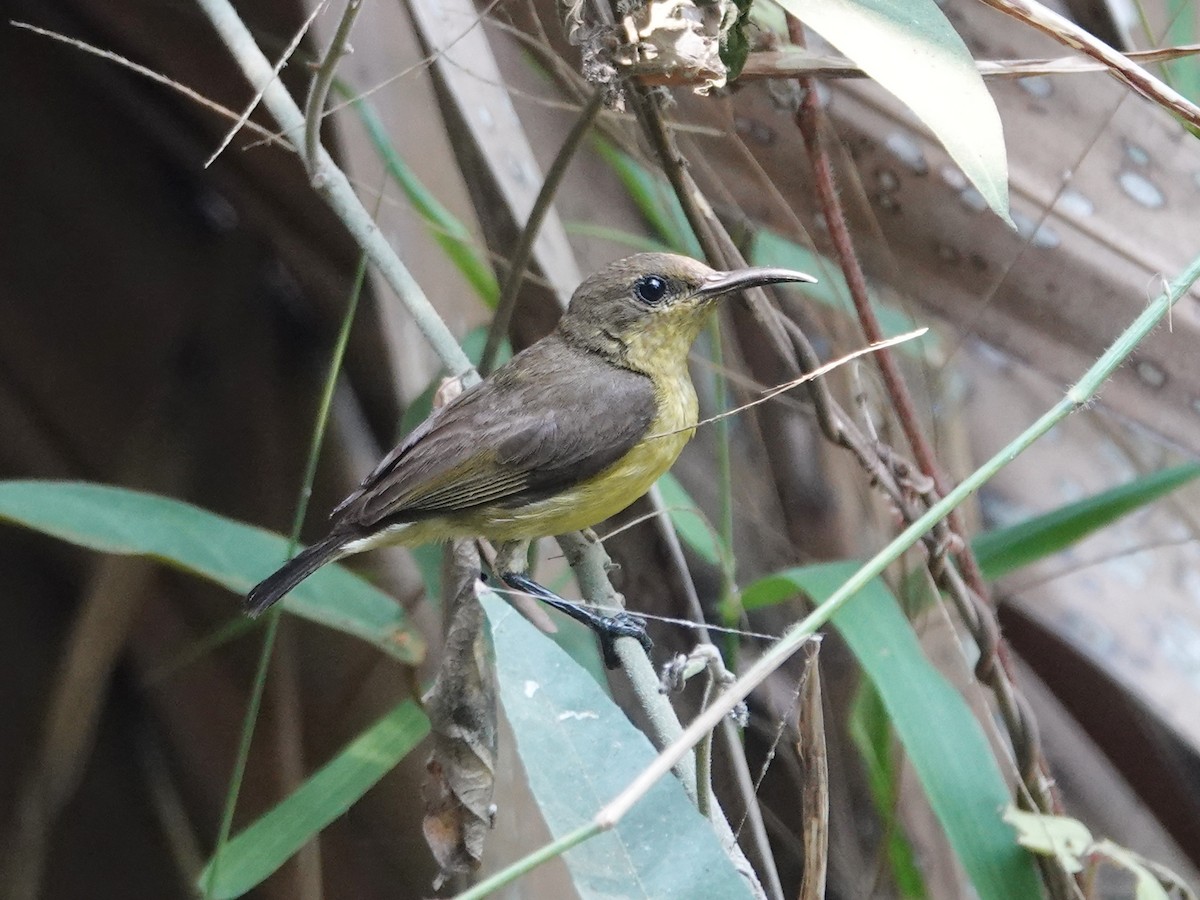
(647,310)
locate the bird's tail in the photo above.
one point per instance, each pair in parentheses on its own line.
(272,588)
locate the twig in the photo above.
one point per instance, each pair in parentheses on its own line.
(322,79)
(823,369)
(735,751)
(332,183)
(591,565)
(253,104)
(271,631)
(1118,64)
(705,658)
(517,265)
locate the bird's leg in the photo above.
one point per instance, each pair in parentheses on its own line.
(512,566)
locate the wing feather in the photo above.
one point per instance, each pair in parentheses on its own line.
(552,417)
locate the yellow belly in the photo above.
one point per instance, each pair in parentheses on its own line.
(612,490)
(588,502)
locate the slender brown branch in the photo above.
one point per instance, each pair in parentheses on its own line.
(809,120)
(969,594)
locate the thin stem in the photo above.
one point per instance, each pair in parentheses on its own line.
(519,262)
(591,564)
(272,628)
(318,436)
(531,862)
(249,720)
(735,753)
(318,91)
(157,77)
(815,800)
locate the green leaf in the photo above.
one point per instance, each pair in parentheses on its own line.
(690,523)
(115,520)
(265,845)
(943,740)
(1006,549)
(771,249)
(872,733)
(655,199)
(450,233)
(579,750)
(1060,836)
(911,50)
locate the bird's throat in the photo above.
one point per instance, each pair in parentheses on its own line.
(660,348)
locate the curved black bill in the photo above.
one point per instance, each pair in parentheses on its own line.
(725,282)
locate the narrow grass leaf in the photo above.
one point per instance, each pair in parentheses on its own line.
(451,234)
(1006,549)
(910,49)
(116,520)
(579,751)
(690,523)
(266,844)
(943,740)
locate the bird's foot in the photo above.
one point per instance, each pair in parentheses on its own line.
(608,628)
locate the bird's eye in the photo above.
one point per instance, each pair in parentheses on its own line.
(650,289)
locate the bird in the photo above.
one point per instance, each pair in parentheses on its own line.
(567,433)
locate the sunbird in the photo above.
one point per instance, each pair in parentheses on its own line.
(568,432)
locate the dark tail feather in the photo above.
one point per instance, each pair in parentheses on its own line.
(272,588)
